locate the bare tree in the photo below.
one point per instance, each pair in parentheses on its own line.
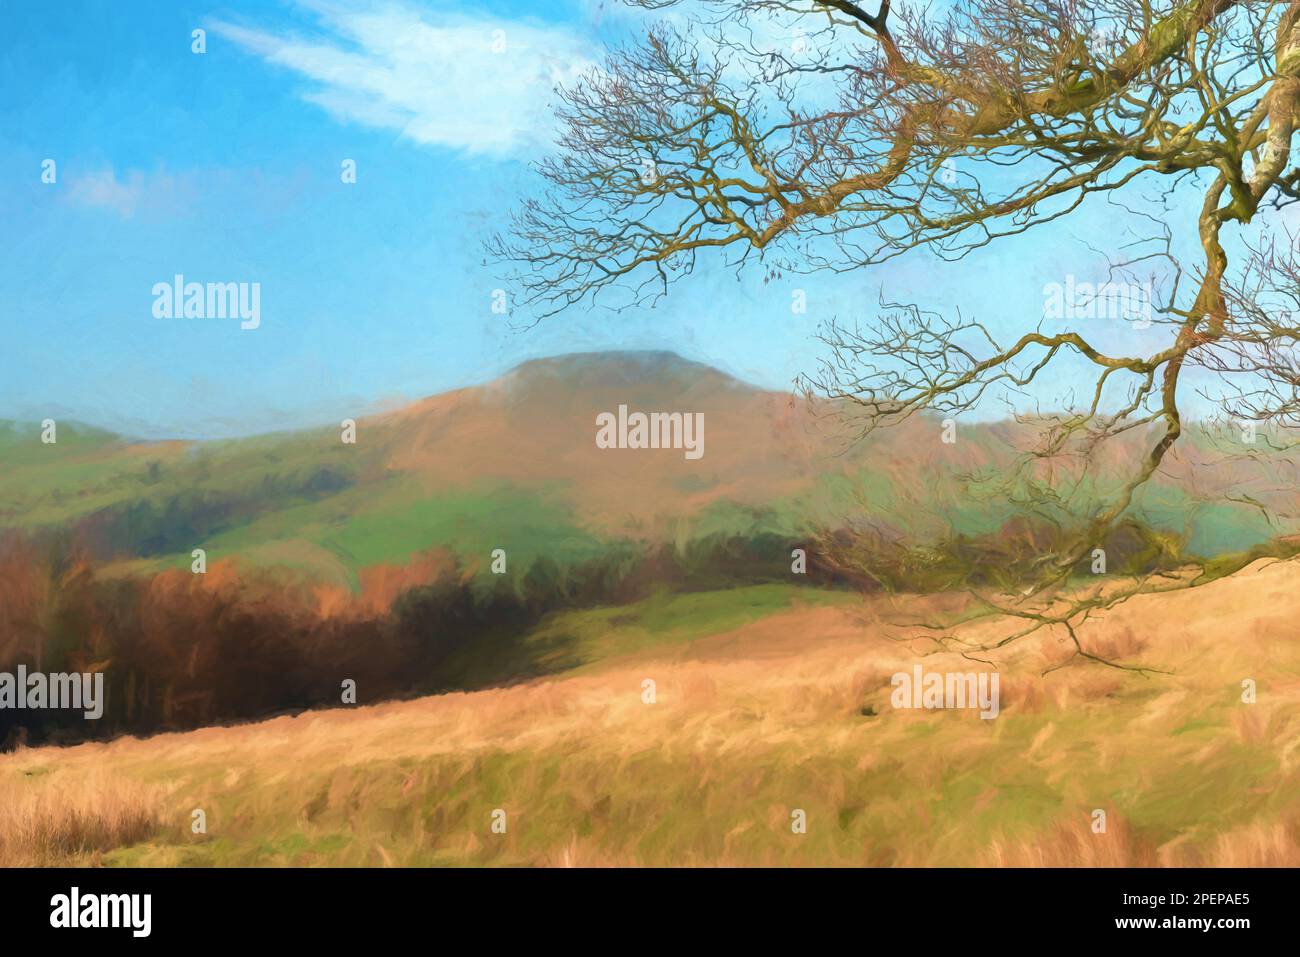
(945,127)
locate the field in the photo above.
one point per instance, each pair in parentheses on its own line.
(768,700)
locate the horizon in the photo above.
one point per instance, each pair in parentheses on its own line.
(382,409)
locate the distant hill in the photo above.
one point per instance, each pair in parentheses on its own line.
(515,463)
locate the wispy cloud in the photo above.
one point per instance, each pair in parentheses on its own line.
(135,191)
(102,189)
(479,85)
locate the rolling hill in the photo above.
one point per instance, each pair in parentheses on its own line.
(514,464)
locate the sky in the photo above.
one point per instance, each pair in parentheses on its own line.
(226,166)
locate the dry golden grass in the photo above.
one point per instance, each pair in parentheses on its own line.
(791,711)
(1075,844)
(47,821)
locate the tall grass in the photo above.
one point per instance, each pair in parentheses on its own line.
(47,820)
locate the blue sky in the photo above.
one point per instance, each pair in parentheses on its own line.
(225,166)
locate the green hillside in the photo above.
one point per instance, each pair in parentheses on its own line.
(448,473)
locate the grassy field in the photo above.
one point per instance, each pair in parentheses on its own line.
(768,700)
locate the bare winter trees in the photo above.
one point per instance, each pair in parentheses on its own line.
(899,126)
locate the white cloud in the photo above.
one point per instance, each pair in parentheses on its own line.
(479,85)
(102,189)
(149,194)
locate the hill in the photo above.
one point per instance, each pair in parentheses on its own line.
(515,463)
